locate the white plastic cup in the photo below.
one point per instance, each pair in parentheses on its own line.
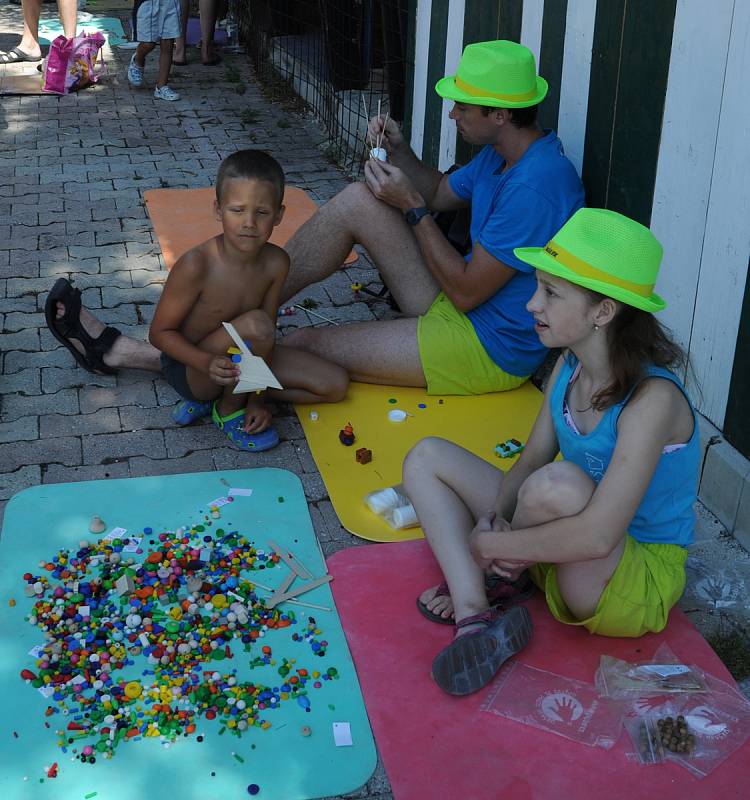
(397,415)
(405,517)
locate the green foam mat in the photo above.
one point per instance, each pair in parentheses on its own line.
(51,27)
(283,761)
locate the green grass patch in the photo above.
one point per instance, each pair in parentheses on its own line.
(733,648)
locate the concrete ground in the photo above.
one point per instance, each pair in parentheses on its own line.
(73,172)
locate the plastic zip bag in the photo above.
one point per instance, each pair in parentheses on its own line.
(664,674)
(563,706)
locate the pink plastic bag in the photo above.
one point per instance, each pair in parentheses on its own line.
(71,63)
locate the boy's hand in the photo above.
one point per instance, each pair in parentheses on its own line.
(223,370)
(257,416)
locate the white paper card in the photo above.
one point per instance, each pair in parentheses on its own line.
(36,651)
(134,542)
(342,734)
(117,533)
(665,670)
(240,492)
(46,691)
(254,372)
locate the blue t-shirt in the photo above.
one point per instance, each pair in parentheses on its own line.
(521,207)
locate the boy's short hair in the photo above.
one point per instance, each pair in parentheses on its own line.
(250,164)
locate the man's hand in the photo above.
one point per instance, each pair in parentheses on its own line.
(223,370)
(391,185)
(392,138)
(257,416)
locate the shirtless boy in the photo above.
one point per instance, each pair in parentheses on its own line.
(235,277)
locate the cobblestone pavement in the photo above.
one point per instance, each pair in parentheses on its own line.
(73,172)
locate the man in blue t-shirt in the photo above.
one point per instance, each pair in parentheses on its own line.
(466,329)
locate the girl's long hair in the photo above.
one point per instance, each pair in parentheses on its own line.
(636,339)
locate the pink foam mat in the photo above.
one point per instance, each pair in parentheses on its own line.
(437,746)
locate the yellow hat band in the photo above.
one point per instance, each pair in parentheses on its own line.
(475,91)
(585,270)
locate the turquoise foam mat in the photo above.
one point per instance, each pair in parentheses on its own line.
(281,761)
(51,27)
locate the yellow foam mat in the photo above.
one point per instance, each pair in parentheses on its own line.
(476,423)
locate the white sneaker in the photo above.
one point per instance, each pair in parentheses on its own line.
(135,73)
(165,93)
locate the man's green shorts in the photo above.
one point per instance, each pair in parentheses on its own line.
(453,359)
(648,581)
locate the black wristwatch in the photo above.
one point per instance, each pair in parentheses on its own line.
(413,215)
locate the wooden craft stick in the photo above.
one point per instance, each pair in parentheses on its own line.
(315,314)
(286,583)
(291,561)
(301,589)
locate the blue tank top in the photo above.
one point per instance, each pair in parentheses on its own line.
(665,514)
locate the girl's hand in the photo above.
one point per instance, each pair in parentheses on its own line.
(257,416)
(223,370)
(485,536)
(510,570)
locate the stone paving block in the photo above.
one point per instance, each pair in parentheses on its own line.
(27,381)
(22,321)
(65,450)
(107,447)
(18,360)
(106,420)
(114,296)
(21,429)
(18,405)
(283,456)
(135,418)
(200,461)
(56,378)
(139,394)
(305,456)
(56,473)
(181,441)
(22,478)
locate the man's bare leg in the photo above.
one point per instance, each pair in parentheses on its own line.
(383,352)
(68,10)
(320,246)
(30,38)
(125,352)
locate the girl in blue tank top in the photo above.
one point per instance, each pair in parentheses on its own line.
(603,531)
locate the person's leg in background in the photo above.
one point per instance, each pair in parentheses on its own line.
(208,24)
(179,56)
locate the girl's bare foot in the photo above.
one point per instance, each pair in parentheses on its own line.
(439,604)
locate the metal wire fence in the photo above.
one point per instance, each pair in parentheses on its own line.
(344,58)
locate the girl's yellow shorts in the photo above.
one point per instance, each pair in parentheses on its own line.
(648,581)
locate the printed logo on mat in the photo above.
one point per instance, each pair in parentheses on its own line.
(560,706)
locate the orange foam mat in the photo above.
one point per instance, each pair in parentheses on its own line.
(437,746)
(476,423)
(184,218)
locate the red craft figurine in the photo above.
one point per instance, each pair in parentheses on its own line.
(346,435)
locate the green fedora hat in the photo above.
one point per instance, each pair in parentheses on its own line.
(498,73)
(604,251)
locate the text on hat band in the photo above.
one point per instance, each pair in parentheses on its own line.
(476,91)
(586,270)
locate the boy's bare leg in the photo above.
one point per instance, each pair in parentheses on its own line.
(125,352)
(450,489)
(143,49)
(309,379)
(179,55)
(372,352)
(320,246)
(166,47)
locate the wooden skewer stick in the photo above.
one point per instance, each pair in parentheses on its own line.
(305,587)
(296,567)
(382,130)
(367,117)
(315,314)
(296,602)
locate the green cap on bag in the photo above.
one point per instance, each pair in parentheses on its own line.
(604,251)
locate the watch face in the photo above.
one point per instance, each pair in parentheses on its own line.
(413,215)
